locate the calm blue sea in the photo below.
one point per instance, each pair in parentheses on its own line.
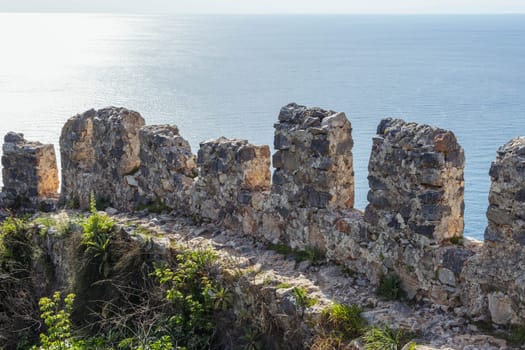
(229,75)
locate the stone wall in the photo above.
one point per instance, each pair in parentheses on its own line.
(99,149)
(313,158)
(415,206)
(234,177)
(313,181)
(167,167)
(416,182)
(495,278)
(30,172)
(412,226)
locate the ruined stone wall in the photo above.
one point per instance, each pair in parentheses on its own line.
(416,182)
(412,226)
(313,158)
(99,149)
(495,278)
(30,172)
(167,168)
(313,181)
(415,206)
(234,177)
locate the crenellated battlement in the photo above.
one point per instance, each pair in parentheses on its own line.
(412,225)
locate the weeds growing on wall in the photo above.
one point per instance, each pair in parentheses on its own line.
(390,287)
(302,299)
(339,324)
(386,338)
(343,319)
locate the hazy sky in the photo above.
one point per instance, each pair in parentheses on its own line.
(266,6)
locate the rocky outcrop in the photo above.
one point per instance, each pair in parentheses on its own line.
(495,278)
(30,172)
(99,149)
(234,177)
(167,167)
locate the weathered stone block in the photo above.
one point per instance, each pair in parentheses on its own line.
(167,167)
(410,175)
(233,175)
(30,172)
(314,158)
(98,150)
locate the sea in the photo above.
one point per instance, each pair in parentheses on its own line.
(228,75)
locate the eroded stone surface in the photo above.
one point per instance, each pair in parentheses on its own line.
(313,182)
(167,167)
(99,149)
(415,204)
(30,172)
(416,182)
(234,177)
(313,158)
(495,278)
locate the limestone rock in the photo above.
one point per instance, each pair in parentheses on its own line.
(416,204)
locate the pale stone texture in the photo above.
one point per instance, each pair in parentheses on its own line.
(167,167)
(30,172)
(99,149)
(495,278)
(234,177)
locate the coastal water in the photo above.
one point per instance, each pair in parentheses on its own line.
(229,75)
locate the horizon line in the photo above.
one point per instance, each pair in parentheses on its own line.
(131,13)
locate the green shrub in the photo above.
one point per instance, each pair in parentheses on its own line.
(16,252)
(382,338)
(157,207)
(515,335)
(98,232)
(302,299)
(58,323)
(196,296)
(284,285)
(386,338)
(390,287)
(311,254)
(343,319)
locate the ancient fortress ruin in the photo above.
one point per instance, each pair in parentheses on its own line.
(412,225)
